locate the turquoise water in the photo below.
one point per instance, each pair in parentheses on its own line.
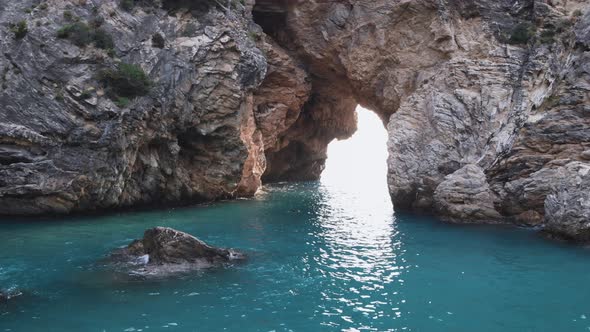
(322,258)
(326,256)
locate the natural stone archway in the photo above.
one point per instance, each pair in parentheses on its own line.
(459,84)
(465,88)
(409,58)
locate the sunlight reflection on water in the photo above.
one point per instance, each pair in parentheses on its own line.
(357,226)
(323,256)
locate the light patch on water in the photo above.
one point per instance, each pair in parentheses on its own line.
(356,223)
(328,256)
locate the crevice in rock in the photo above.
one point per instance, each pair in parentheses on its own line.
(195,7)
(12,154)
(272,18)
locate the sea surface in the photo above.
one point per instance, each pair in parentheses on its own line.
(323,256)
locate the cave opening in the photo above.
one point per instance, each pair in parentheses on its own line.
(272,18)
(359,162)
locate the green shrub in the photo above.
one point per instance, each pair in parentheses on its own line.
(190,30)
(43,6)
(20,29)
(564,25)
(547,36)
(80,34)
(577,13)
(158,41)
(122,102)
(254,35)
(103,40)
(522,33)
(127,4)
(552,30)
(63,32)
(68,15)
(552,101)
(86,94)
(127,80)
(97,21)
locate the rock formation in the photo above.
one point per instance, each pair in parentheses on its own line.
(485,102)
(164,251)
(464,196)
(567,207)
(6,296)
(66,145)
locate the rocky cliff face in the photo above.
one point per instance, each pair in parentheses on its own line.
(66,145)
(485,102)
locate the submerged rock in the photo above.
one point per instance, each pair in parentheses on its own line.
(5,296)
(164,251)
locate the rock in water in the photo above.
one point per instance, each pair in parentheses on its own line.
(165,250)
(169,246)
(5,296)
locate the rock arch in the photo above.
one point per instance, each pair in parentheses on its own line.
(460,96)
(484,102)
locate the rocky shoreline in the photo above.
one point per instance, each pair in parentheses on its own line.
(109,105)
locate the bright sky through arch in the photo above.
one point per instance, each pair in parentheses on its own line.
(360,161)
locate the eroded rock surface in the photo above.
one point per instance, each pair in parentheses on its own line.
(500,85)
(485,102)
(66,146)
(163,251)
(567,207)
(6,296)
(465,196)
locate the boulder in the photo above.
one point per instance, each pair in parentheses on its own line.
(5,296)
(465,196)
(165,250)
(567,208)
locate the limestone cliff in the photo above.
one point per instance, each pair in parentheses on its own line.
(485,102)
(66,145)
